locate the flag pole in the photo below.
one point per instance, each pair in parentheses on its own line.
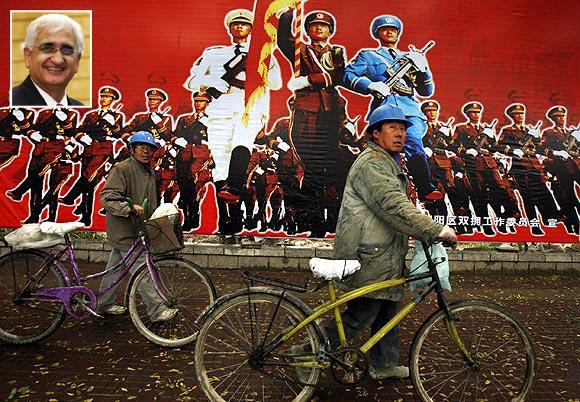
(297,37)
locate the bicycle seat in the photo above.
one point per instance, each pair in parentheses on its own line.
(60,228)
(332,269)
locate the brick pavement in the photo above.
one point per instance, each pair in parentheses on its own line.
(107,360)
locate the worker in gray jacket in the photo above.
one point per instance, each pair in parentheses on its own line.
(375,221)
(128,185)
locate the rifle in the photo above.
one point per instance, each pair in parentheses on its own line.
(439,136)
(232,71)
(571,142)
(50,165)
(482,139)
(149,125)
(528,141)
(403,68)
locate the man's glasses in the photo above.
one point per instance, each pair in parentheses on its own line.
(51,48)
(143,147)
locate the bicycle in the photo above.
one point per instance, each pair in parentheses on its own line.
(251,345)
(37,292)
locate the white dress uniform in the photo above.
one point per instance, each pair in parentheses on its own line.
(225,127)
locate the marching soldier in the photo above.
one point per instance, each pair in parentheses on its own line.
(155,121)
(521,143)
(14,122)
(55,128)
(319,114)
(367,73)
(443,165)
(97,133)
(190,131)
(561,144)
(475,144)
(201,175)
(221,73)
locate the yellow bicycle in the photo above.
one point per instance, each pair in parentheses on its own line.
(469,350)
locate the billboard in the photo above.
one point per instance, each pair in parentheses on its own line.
(258,128)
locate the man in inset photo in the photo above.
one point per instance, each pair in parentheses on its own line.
(52,51)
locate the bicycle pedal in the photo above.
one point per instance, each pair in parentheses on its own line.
(92,312)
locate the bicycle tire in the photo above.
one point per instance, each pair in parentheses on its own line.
(24,319)
(226,347)
(502,347)
(190,290)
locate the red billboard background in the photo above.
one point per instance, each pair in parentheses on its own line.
(493,52)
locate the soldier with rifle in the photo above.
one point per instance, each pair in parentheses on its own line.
(395,77)
(190,131)
(14,123)
(52,132)
(561,144)
(475,143)
(97,133)
(522,143)
(445,168)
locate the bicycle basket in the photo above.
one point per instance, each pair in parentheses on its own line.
(164,234)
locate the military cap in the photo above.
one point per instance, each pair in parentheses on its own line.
(321,17)
(429,105)
(109,91)
(155,93)
(386,21)
(472,107)
(201,96)
(239,15)
(556,111)
(515,108)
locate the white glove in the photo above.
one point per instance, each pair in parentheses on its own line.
(70,148)
(282,146)
(562,154)
(36,137)
(471,152)
(60,137)
(161,142)
(380,87)
(173,152)
(60,115)
(109,119)
(86,140)
(490,132)
(180,142)
(259,171)
(576,134)
(155,118)
(110,138)
(446,131)
(459,175)
(18,114)
(275,156)
(447,234)
(450,154)
(428,152)
(419,60)
(351,127)
(518,152)
(297,83)
(216,83)
(535,132)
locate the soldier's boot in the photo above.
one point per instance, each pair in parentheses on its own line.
(239,160)
(419,169)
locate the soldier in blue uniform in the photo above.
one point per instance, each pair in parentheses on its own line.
(366,74)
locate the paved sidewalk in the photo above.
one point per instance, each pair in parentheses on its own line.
(107,360)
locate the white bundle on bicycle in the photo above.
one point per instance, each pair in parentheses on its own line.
(333,269)
(166,209)
(419,265)
(40,235)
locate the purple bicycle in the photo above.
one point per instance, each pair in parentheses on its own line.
(37,292)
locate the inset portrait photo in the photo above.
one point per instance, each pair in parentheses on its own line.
(51,58)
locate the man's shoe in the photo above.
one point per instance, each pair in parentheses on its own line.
(298,351)
(166,315)
(115,310)
(388,372)
(537,231)
(15,196)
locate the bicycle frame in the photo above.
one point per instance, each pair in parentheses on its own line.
(334,303)
(76,285)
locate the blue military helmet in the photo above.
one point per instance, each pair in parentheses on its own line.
(388,113)
(386,21)
(143,137)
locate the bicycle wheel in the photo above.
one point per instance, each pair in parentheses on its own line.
(504,359)
(25,318)
(189,290)
(229,361)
